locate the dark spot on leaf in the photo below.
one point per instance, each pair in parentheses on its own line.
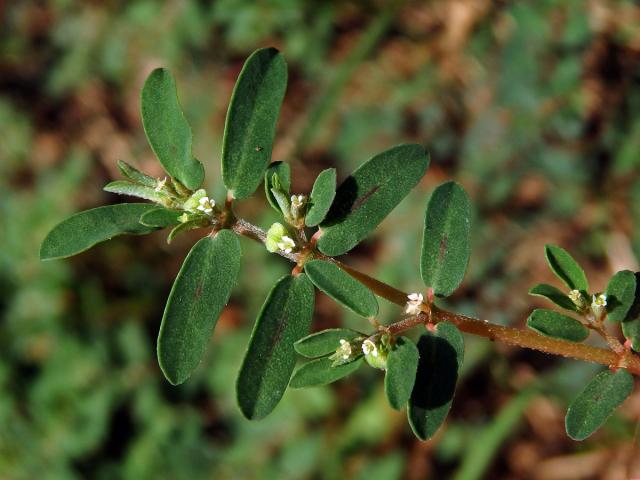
(198,293)
(347,200)
(358,203)
(443,246)
(174,149)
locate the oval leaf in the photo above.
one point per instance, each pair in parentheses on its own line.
(342,287)
(199,293)
(122,187)
(597,402)
(251,121)
(161,218)
(167,129)
(566,268)
(621,295)
(555,295)
(322,195)
(366,197)
(555,325)
(402,365)
(83,230)
(270,358)
(441,356)
(320,372)
(132,173)
(283,172)
(325,342)
(446,239)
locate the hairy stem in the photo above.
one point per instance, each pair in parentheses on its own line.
(507,335)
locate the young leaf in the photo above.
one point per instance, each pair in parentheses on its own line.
(270,358)
(566,268)
(198,222)
(161,217)
(135,175)
(122,187)
(402,364)
(325,342)
(320,372)
(555,295)
(282,171)
(85,229)
(621,294)
(199,293)
(555,325)
(446,239)
(167,129)
(597,402)
(441,356)
(322,195)
(342,287)
(366,197)
(251,121)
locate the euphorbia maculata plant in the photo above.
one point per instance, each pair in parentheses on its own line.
(314,229)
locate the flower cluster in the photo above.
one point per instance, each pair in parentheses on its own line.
(278,239)
(414,304)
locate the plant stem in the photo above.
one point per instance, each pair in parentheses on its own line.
(507,335)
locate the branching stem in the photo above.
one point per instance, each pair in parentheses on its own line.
(507,335)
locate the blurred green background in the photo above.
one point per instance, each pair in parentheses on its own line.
(533,106)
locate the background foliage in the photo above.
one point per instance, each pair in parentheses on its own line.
(532,106)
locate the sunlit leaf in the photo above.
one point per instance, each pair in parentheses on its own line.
(600,398)
(566,268)
(402,365)
(270,358)
(251,121)
(321,372)
(369,194)
(555,325)
(321,198)
(85,229)
(122,187)
(446,239)
(325,342)
(199,293)
(342,287)
(167,129)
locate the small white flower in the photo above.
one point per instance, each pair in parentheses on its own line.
(344,350)
(206,205)
(297,200)
(286,244)
(160,185)
(368,347)
(599,304)
(414,304)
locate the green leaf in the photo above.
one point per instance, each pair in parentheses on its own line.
(402,365)
(446,239)
(270,358)
(250,127)
(441,356)
(122,187)
(621,295)
(198,222)
(199,293)
(566,268)
(366,197)
(85,229)
(342,287)
(322,195)
(135,175)
(282,172)
(325,342)
(555,295)
(597,402)
(161,217)
(555,325)
(631,324)
(167,129)
(320,372)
